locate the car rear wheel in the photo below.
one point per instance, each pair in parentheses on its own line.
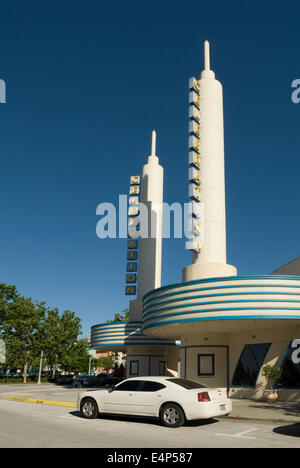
(89,409)
(172,415)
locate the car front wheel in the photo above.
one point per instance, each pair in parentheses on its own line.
(89,409)
(172,415)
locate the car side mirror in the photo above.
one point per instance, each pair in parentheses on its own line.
(112,389)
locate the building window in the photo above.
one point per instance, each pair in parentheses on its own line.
(206,364)
(162,368)
(290,370)
(134,367)
(249,365)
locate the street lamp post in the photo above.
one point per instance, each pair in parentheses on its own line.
(40,369)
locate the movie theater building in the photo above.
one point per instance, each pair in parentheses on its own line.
(216,326)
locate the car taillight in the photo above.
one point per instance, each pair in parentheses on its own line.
(203,397)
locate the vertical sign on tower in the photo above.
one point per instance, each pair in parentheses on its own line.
(133,234)
(195,195)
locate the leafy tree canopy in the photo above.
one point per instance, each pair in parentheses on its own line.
(31,328)
(124,317)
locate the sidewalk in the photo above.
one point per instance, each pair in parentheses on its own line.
(264,412)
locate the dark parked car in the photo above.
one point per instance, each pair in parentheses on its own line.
(105,379)
(85,380)
(101,380)
(65,379)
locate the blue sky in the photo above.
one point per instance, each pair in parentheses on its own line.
(86,84)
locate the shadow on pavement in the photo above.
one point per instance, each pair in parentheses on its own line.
(143,420)
(292,430)
(201,422)
(289,409)
(116,417)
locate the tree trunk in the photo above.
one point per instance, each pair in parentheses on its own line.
(40,369)
(25,373)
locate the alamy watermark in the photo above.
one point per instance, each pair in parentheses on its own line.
(2,92)
(296,353)
(153,220)
(296,93)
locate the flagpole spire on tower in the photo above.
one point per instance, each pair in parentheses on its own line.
(153,150)
(206,56)
(153,159)
(207,72)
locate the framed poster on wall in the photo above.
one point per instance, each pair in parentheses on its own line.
(206,364)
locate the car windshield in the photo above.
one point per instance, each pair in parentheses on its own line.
(187,384)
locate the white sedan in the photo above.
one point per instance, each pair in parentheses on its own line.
(172,400)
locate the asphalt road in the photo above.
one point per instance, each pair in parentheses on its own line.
(25,425)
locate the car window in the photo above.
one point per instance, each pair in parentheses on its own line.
(149,386)
(130,385)
(187,384)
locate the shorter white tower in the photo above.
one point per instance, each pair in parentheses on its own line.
(150,242)
(211,260)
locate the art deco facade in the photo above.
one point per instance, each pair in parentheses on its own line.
(215,326)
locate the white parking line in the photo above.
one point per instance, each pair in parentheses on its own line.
(239,435)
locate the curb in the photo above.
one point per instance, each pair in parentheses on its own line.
(259,420)
(41,402)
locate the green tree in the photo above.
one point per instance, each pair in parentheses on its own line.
(124,317)
(30,330)
(8,294)
(22,332)
(106,362)
(77,359)
(272,374)
(61,333)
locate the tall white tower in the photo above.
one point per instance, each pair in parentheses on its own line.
(208,135)
(151,215)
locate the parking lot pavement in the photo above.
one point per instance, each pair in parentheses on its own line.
(244,410)
(53,395)
(43,392)
(27,425)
